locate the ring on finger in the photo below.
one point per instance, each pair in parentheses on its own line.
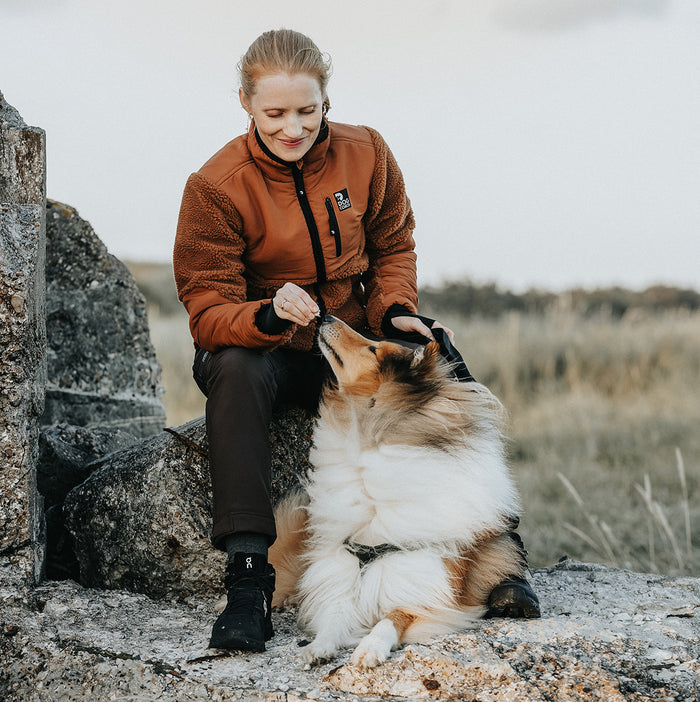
(283,303)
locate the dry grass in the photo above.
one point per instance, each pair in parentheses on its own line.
(171,338)
(604,418)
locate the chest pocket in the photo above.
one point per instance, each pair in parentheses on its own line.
(334,227)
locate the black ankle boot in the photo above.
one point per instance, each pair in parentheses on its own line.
(246,623)
(514,597)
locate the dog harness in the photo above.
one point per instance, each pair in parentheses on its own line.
(367,554)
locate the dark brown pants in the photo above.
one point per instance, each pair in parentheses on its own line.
(243,386)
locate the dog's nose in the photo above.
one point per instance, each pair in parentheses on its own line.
(328,318)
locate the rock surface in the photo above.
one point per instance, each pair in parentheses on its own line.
(102,369)
(142,520)
(22,157)
(67,456)
(22,337)
(605,634)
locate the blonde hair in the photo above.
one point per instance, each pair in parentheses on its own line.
(284,51)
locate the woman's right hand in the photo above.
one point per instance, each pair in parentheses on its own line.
(295,304)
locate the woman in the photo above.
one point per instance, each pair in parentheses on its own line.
(297,218)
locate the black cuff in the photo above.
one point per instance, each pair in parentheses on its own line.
(391,332)
(267,321)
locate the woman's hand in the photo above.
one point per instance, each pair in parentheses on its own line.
(413,324)
(295,304)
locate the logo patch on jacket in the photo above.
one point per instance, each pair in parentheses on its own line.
(342,199)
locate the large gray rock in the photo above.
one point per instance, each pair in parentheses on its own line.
(102,369)
(22,337)
(22,159)
(605,634)
(67,456)
(142,520)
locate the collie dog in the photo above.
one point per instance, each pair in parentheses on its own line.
(401,532)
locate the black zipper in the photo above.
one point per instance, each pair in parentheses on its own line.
(308,214)
(310,224)
(321,302)
(335,229)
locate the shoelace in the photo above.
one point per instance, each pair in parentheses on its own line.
(248,580)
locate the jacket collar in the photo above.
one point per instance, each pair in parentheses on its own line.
(275,168)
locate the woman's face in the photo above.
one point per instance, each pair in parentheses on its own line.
(287,110)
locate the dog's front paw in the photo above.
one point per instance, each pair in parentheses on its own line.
(369,656)
(371,652)
(375,648)
(318,652)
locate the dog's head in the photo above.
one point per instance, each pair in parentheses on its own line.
(401,394)
(361,365)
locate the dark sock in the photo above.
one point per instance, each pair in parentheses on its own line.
(245,542)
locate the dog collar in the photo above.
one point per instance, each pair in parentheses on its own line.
(367,554)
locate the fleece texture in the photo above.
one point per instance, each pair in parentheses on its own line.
(242,234)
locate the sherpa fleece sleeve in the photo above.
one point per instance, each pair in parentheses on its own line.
(389,223)
(208,266)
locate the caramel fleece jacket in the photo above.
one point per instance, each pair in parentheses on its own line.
(337,223)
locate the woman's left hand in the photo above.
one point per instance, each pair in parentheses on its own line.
(413,324)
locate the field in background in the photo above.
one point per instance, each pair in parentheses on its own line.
(604,412)
(596,404)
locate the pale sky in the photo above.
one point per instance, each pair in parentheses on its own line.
(546,143)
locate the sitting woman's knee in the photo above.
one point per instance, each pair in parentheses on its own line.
(236,366)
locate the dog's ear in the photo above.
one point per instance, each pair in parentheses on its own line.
(425,354)
(432,352)
(418,354)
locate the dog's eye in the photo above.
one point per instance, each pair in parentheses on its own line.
(373,349)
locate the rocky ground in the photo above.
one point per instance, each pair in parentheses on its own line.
(605,634)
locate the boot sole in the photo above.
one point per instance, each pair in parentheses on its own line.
(237,640)
(233,642)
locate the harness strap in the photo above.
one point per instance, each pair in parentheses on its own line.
(367,554)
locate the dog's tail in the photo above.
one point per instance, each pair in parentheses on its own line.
(287,551)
